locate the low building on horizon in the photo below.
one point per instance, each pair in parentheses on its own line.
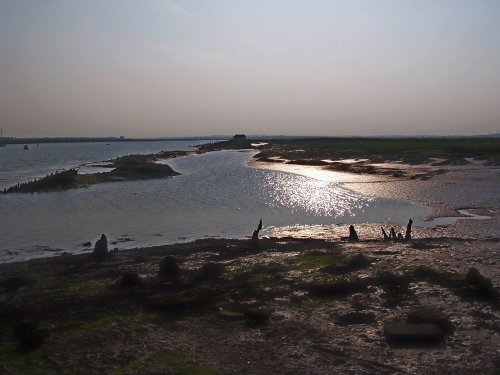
(239,138)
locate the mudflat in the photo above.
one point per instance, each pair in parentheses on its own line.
(243,306)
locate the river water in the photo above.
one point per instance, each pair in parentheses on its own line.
(216,195)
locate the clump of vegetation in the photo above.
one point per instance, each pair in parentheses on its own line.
(11,284)
(446,279)
(210,271)
(177,362)
(340,288)
(472,284)
(55,181)
(193,300)
(257,315)
(130,280)
(357,262)
(29,335)
(258,278)
(169,269)
(315,259)
(392,282)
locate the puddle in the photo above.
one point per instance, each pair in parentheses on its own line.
(447,220)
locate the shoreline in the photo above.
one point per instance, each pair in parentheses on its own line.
(389,187)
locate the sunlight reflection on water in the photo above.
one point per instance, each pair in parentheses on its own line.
(216,195)
(316,197)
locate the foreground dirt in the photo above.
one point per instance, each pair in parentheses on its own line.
(246,307)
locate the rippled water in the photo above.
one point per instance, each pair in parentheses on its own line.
(216,195)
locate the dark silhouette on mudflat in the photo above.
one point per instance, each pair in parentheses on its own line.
(392,235)
(384,233)
(353,236)
(255,234)
(101,247)
(408,230)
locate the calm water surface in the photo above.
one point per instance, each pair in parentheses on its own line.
(216,195)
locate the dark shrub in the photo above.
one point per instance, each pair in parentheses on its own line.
(130,280)
(211,270)
(169,268)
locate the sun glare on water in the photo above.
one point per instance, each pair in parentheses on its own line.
(316,197)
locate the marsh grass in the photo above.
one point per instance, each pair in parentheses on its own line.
(314,260)
(408,150)
(31,363)
(178,362)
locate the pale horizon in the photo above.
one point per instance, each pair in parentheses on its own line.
(161,68)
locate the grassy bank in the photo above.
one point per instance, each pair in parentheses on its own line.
(409,150)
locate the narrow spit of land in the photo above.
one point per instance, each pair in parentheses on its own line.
(125,168)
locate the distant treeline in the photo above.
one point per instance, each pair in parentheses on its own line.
(283,138)
(12,140)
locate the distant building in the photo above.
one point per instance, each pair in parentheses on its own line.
(122,137)
(240,137)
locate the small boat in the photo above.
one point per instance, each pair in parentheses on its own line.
(26,147)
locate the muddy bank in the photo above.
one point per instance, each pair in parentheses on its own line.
(240,306)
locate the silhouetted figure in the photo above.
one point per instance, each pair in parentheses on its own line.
(392,235)
(386,237)
(400,237)
(353,236)
(101,247)
(255,234)
(408,230)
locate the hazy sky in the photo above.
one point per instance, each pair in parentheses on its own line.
(143,68)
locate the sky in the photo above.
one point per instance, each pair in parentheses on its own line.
(165,68)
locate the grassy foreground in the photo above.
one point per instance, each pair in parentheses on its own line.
(232,306)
